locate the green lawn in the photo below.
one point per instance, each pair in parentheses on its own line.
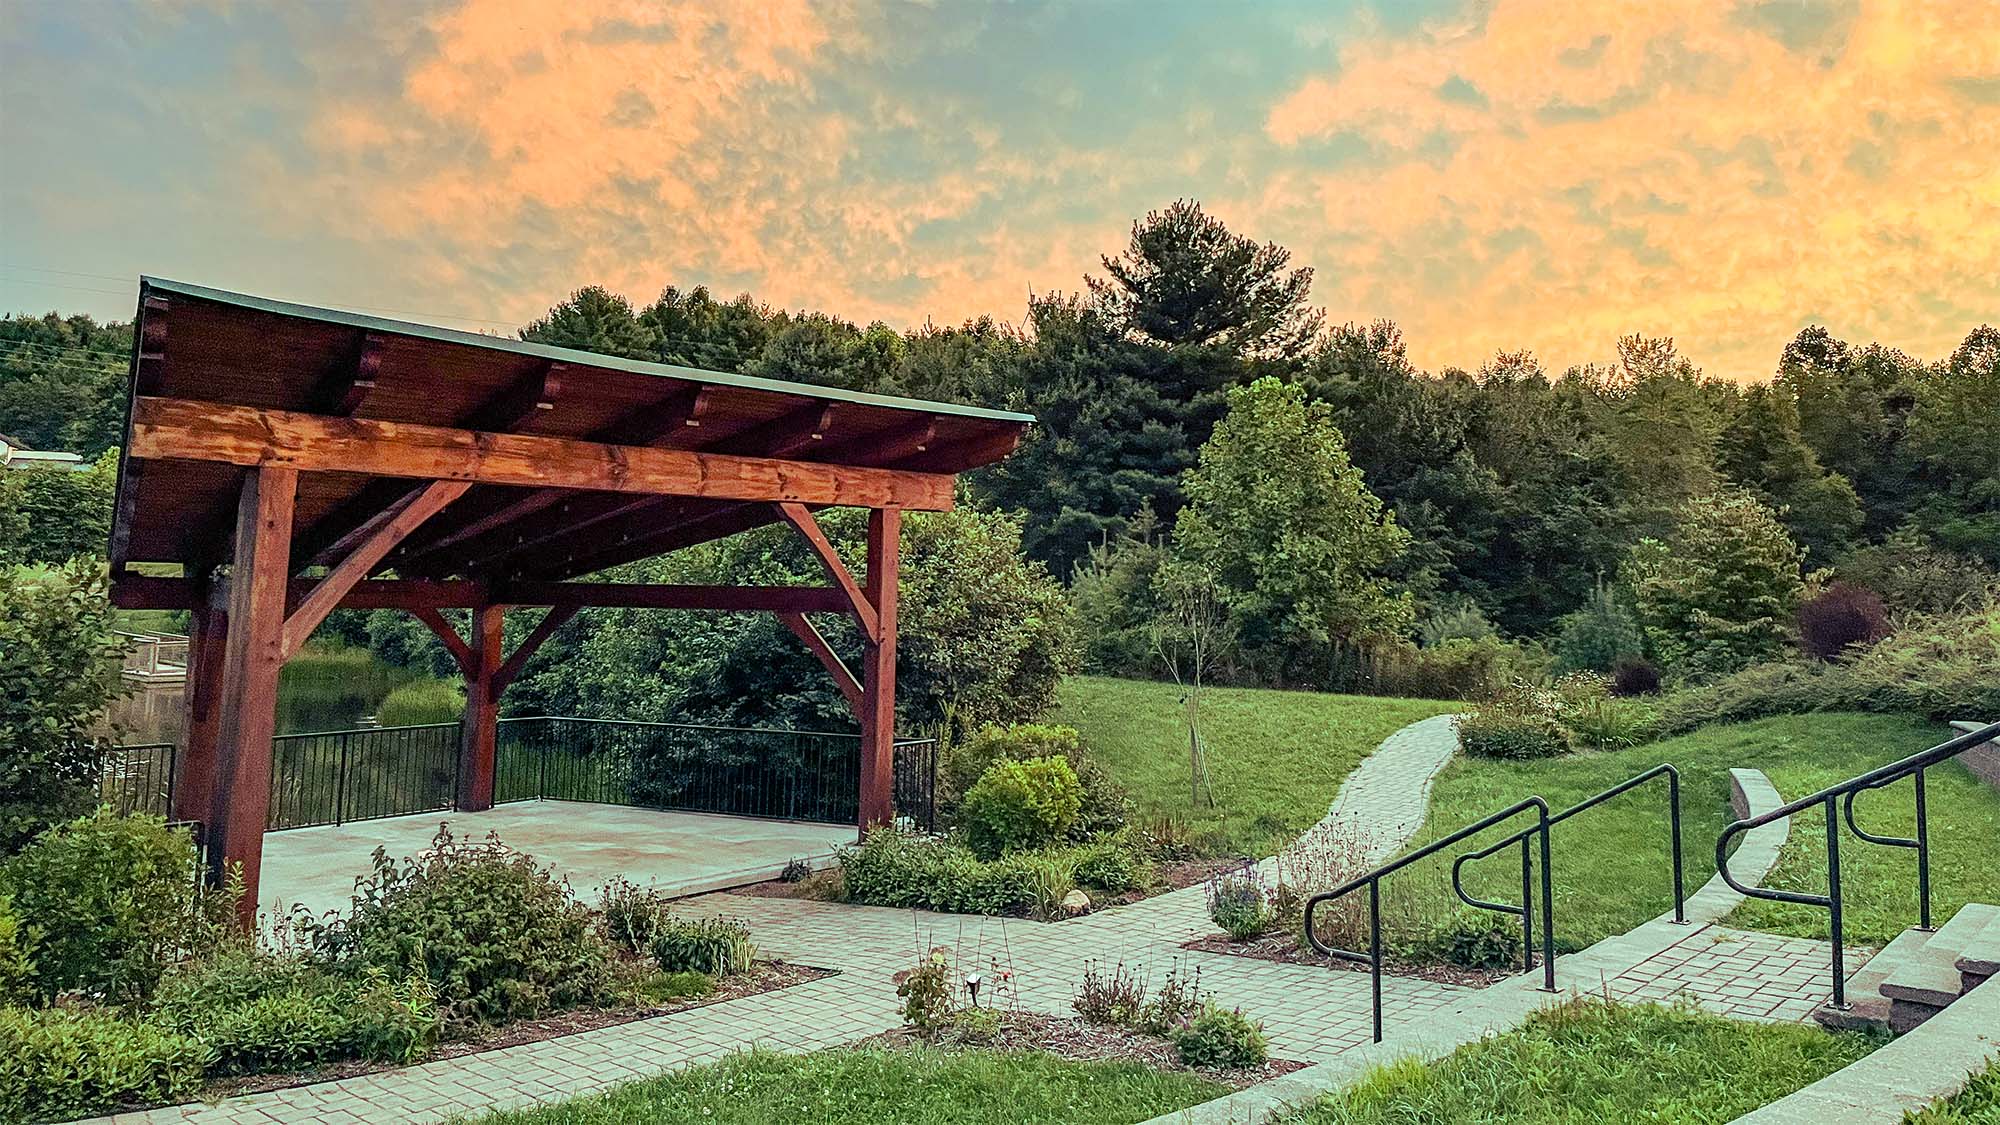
(917,1086)
(1979,1101)
(1590,1062)
(1611,863)
(1276,758)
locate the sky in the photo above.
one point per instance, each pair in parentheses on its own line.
(1490,174)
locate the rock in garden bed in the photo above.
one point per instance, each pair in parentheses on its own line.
(1073,1039)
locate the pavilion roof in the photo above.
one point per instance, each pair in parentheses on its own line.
(268,358)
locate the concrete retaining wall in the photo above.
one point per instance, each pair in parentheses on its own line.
(1984,759)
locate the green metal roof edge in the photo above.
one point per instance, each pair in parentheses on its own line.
(568,355)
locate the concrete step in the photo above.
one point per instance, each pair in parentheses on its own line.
(1979,958)
(1867,1009)
(1928,979)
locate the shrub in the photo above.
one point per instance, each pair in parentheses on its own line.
(498,935)
(644,987)
(1180,997)
(896,868)
(1840,618)
(1457,668)
(112,901)
(1104,807)
(1913,576)
(1047,877)
(1112,864)
(1609,724)
(1719,593)
(631,914)
(1017,805)
(1522,722)
(1635,676)
(1236,903)
(420,702)
(17,968)
(58,671)
(1464,622)
(717,946)
(1221,1037)
(1599,637)
(59,1063)
(1472,939)
(261,1012)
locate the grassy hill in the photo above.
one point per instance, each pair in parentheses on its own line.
(1275,758)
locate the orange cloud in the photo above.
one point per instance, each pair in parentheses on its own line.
(1558,174)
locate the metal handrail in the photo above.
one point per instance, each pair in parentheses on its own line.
(1524,911)
(1831,799)
(1373,881)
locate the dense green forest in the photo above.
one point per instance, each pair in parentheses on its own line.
(1217,462)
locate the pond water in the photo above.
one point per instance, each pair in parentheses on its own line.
(320,689)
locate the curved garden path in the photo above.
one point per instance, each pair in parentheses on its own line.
(1384,801)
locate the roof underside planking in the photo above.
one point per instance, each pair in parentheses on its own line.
(267,365)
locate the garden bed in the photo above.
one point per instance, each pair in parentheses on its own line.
(767,976)
(1168,876)
(1287,949)
(1078,1041)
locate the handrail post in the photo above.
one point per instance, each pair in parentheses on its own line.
(1674,817)
(340,785)
(1923,857)
(1375,951)
(1548,910)
(1833,894)
(1527,908)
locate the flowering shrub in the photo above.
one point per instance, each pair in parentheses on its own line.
(1519,723)
(1237,903)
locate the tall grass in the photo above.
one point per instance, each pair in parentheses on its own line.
(422,701)
(333,687)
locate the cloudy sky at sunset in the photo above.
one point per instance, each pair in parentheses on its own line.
(1488,174)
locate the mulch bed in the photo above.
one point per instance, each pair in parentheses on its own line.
(1288,949)
(1077,1041)
(766,976)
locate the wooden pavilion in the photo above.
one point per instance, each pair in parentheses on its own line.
(286,456)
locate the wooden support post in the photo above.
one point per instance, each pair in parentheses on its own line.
(479,730)
(878,672)
(251,658)
(194,761)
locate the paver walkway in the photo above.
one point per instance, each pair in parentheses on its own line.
(1311,1013)
(1739,973)
(1384,801)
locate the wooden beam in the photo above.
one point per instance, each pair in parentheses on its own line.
(644,538)
(195,757)
(878,672)
(149,363)
(345,390)
(801,519)
(653,425)
(478,731)
(461,653)
(555,618)
(531,396)
(328,593)
(251,659)
(804,630)
(133,591)
(239,435)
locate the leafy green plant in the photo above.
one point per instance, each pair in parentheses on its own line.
(1112,864)
(1977,1101)
(499,936)
(896,868)
(1116,998)
(1598,636)
(259,1012)
(1522,722)
(1221,1037)
(113,901)
(927,991)
(1470,939)
(1019,805)
(59,1063)
(1048,877)
(17,967)
(1718,593)
(58,671)
(1104,806)
(717,946)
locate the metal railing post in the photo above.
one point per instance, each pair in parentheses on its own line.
(340,784)
(1833,895)
(1375,952)
(1923,857)
(1548,910)
(1527,908)
(1674,816)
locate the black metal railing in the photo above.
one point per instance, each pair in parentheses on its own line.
(336,777)
(1373,881)
(1524,911)
(1833,798)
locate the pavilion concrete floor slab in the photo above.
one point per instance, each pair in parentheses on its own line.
(681,853)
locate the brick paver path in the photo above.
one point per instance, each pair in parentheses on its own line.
(1739,973)
(1311,1013)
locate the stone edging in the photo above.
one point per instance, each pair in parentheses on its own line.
(1504,1005)
(1984,759)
